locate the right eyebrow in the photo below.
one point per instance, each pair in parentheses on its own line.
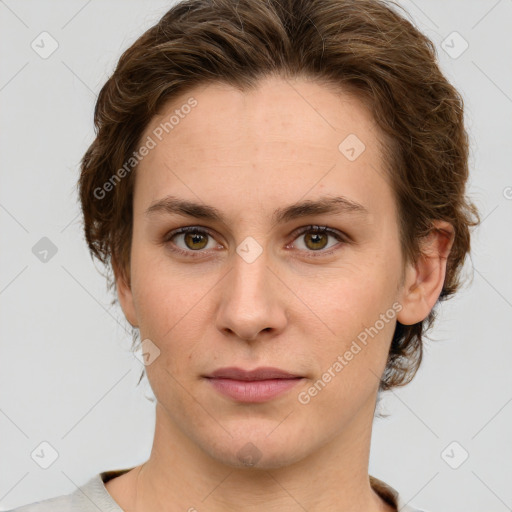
(328,204)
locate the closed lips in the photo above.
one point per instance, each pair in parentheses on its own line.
(262,373)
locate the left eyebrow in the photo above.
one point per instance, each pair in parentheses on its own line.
(322,205)
(327,204)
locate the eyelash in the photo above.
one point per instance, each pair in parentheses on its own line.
(297,233)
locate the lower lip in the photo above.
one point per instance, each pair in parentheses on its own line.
(253,390)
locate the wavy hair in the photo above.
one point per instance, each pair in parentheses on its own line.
(366,47)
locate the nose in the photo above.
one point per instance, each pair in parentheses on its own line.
(252,301)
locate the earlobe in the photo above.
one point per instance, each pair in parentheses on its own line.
(125,296)
(424,279)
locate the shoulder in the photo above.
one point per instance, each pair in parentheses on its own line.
(58,504)
(90,497)
(392,496)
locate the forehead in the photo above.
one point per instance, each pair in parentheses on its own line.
(283,139)
(310,109)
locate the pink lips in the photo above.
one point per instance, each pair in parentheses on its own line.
(258,385)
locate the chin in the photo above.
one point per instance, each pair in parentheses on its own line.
(253,451)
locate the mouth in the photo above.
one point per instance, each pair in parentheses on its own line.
(252,386)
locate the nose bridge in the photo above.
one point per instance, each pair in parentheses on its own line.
(249,285)
(249,303)
(250,262)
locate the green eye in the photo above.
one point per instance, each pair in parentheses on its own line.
(316,239)
(195,239)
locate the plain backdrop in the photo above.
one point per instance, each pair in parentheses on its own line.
(67,376)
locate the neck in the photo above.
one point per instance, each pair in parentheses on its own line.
(181,476)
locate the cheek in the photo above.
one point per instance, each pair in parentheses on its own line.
(358,293)
(169,312)
(159,297)
(358,310)
(350,363)
(171,309)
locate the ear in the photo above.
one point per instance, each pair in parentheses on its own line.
(124,294)
(424,279)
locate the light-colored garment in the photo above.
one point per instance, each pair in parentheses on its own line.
(94,497)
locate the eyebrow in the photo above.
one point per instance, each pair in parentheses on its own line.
(327,204)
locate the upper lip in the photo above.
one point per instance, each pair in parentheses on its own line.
(262,373)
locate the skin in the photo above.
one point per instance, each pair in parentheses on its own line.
(248,154)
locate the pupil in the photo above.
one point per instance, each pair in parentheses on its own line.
(315,238)
(195,238)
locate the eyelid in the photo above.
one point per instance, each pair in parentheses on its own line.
(339,235)
(184,230)
(312,228)
(319,229)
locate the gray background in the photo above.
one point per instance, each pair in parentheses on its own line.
(67,376)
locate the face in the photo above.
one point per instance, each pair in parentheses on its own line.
(258,281)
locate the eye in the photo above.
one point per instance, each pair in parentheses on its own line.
(193,239)
(315,239)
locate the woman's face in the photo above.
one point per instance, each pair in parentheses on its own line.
(254,285)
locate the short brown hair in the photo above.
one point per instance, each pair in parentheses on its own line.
(362,46)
